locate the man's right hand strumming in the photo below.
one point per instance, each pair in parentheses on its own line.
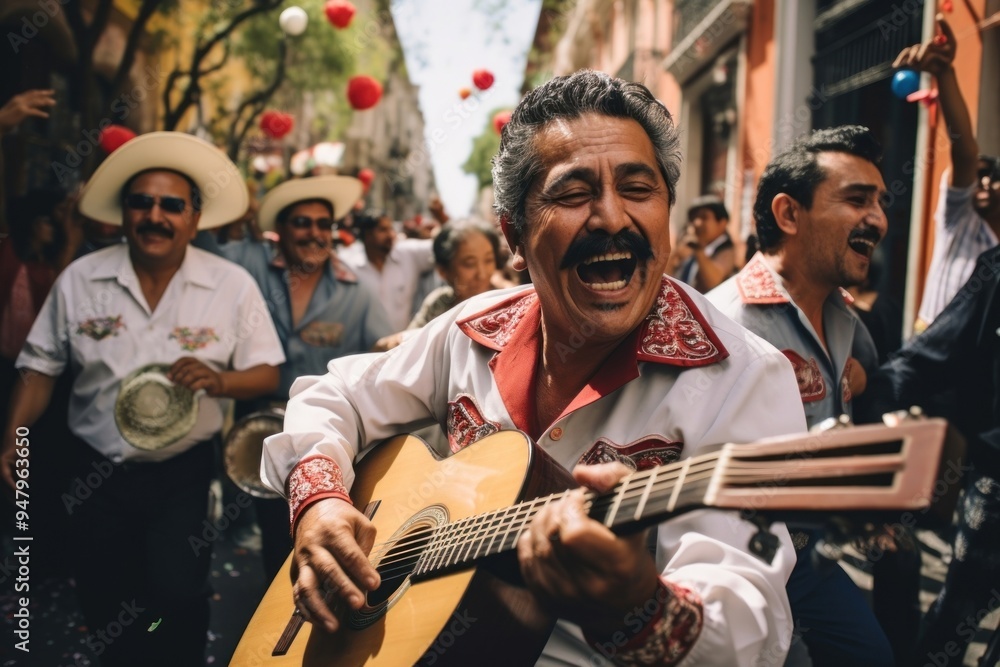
(330,566)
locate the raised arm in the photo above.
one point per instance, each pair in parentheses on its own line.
(936,57)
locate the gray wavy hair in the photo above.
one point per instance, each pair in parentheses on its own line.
(516,164)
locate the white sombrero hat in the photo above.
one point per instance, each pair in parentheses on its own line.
(224,195)
(343,192)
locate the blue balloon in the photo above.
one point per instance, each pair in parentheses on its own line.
(904,83)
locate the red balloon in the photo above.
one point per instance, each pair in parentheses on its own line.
(113,136)
(464,93)
(483,78)
(276,124)
(500,119)
(366,176)
(363,92)
(339,13)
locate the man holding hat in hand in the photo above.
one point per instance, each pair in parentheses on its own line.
(320,309)
(156,333)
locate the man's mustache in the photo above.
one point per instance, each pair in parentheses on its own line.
(602,244)
(153,228)
(322,245)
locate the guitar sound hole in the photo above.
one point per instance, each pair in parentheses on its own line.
(398,563)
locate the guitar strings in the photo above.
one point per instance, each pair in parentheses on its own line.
(450,536)
(448,552)
(530,506)
(455,538)
(454,546)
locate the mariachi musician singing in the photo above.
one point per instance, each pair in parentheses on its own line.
(320,310)
(602,359)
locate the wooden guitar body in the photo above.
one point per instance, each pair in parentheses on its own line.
(447,532)
(451,619)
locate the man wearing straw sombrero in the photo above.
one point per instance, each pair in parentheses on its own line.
(156,334)
(319,307)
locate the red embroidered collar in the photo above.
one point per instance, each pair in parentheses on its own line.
(757,284)
(675,333)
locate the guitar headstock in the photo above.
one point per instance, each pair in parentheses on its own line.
(858,468)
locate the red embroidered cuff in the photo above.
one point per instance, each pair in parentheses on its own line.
(668,635)
(312,479)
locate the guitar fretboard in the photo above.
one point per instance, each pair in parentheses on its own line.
(640,499)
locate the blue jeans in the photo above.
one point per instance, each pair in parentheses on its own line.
(835,620)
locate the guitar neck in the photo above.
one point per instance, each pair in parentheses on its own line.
(858,468)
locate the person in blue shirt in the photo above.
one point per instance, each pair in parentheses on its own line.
(319,308)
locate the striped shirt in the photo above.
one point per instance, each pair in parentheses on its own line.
(960,236)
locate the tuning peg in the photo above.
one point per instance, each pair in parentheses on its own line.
(830,423)
(915,413)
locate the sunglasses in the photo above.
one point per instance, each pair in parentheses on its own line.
(305,222)
(141,202)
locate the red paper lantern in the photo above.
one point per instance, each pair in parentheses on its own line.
(464,93)
(363,92)
(339,13)
(366,176)
(500,119)
(276,124)
(483,78)
(113,136)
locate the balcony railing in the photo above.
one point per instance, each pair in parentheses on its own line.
(688,14)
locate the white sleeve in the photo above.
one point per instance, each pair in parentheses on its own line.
(363,399)
(746,616)
(46,350)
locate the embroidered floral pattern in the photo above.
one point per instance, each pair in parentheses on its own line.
(323,334)
(466,423)
(498,324)
(845,384)
(193,339)
(672,635)
(100,328)
(649,452)
(756,284)
(674,333)
(311,477)
(808,375)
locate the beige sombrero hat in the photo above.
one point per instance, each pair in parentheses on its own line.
(224,195)
(342,192)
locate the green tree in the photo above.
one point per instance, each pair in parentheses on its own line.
(484,147)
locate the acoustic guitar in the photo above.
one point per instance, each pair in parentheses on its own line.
(447,530)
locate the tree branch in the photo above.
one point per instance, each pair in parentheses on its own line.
(172,115)
(136,32)
(256,104)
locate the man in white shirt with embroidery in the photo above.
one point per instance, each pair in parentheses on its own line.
(391,268)
(603,359)
(140,539)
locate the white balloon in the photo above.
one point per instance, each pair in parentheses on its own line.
(293,21)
